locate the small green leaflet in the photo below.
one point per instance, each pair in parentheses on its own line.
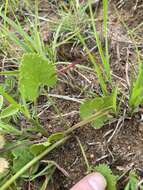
(9,111)
(35,71)
(36,149)
(109,176)
(40,147)
(92,106)
(55,137)
(136,97)
(1,102)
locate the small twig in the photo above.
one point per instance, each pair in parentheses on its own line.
(127,69)
(101,158)
(84,77)
(65,98)
(116,129)
(136,5)
(57,166)
(83,153)
(120,177)
(72,113)
(139,184)
(70,66)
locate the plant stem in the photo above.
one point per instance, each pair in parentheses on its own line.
(88,120)
(84,155)
(55,145)
(32,162)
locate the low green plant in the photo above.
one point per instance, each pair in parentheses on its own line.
(133,182)
(27,158)
(84,21)
(107,100)
(104,56)
(19,37)
(136,95)
(109,176)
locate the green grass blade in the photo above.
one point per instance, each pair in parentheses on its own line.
(97,68)
(14,103)
(9,129)
(105,15)
(136,97)
(99,45)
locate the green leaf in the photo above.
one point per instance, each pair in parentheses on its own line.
(133,182)
(39,148)
(89,107)
(92,106)
(55,137)
(136,97)
(6,128)
(1,101)
(34,72)
(107,173)
(22,156)
(9,111)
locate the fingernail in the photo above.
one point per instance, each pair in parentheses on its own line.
(97,183)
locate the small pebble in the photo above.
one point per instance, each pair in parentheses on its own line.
(91,156)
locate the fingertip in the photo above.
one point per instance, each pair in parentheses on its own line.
(97,181)
(93,181)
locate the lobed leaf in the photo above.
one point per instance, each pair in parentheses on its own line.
(92,106)
(109,176)
(34,72)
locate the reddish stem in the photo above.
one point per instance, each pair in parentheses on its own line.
(70,66)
